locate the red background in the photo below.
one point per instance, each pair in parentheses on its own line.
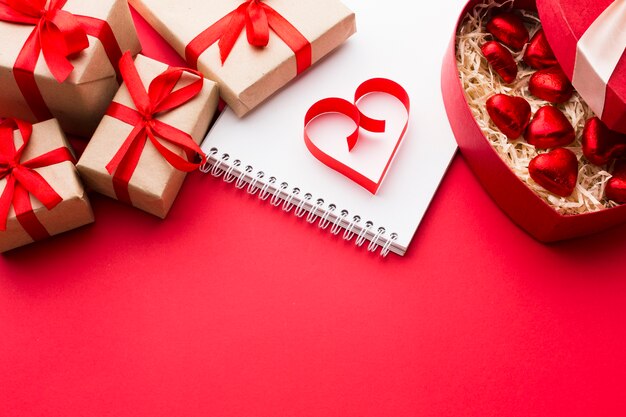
(233,308)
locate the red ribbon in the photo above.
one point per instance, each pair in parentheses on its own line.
(350,109)
(59,35)
(160,98)
(22,179)
(258,18)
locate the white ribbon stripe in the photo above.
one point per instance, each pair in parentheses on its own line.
(598,53)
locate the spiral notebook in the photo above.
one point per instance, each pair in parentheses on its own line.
(265,153)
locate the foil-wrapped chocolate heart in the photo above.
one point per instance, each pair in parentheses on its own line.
(501,60)
(616,187)
(551,84)
(600,144)
(509,29)
(538,54)
(549,129)
(556,171)
(510,114)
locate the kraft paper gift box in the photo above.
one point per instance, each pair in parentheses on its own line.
(154,183)
(564,23)
(71,206)
(250,74)
(79,102)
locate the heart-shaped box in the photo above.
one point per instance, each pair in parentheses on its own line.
(513,196)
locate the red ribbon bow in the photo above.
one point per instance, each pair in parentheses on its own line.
(59,35)
(258,18)
(22,179)
(160,98)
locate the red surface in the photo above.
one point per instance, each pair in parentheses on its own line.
(233,308)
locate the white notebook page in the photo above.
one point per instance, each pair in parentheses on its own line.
(396,39)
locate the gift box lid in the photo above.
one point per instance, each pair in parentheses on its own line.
(589,41)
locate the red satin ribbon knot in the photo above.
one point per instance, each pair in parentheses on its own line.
(257,18)
(361,121)
(160,98)
(22,180)
(58,35)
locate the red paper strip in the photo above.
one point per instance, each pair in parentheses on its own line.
(22,179)
(59,35)
(258,18)
(351,110)
(160,98)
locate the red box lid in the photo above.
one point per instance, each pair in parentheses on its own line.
(589,41)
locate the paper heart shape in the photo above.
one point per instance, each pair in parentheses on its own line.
(549,129)
(600,144)
(616,187)
(510,114)
(538,54)
(509,29)
(556,171)
(351,110)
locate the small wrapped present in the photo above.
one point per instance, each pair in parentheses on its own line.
(40,191)
(59,59)
(282,39)
(148,139)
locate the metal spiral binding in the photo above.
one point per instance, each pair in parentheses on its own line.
(360,240)
(228,175)
(206,167)
(387,248)
(288,204)
(241,181)
(374,242)
(217,171)
(252,187)
(263,194)
(275,201)
(314,211)
(337,224)
(301,208)
(312,216)
(349,232)
(324,222)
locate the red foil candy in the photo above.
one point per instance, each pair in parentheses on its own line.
(600,144)
(510,114)
(501,60)
(551,84)
(549,129)
(556,171)
(538,54)
(616,187)
(509,29)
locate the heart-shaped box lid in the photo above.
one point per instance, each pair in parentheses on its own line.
(589,41)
